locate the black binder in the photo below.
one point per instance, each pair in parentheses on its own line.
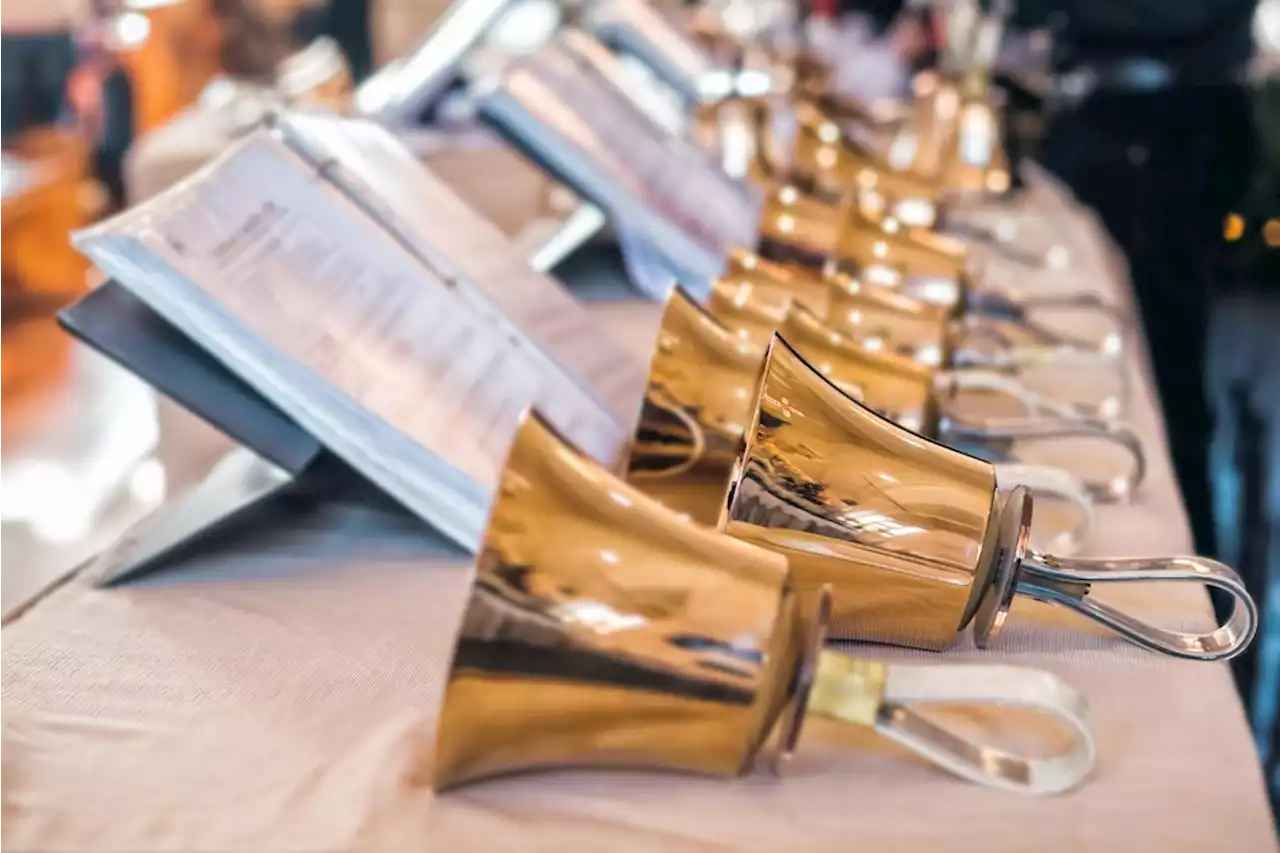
(284,462)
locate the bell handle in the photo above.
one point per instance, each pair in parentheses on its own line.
(662,399)
(1047,481)
(1068,581)
(884,697)
(997,383)
(1115,490)
(1017,309)
(1018,358)
(990,240)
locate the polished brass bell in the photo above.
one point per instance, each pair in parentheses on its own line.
(835,167)
(705,376)
(880,317)
(914,538)
(604,629)
(797,228)
(701,391)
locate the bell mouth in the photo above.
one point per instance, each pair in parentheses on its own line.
(792,723)
(1012,541)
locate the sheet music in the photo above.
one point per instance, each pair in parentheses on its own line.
(661,187)
(465,248)
(282,278)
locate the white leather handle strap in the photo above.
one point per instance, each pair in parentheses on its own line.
(909,686)
(1046,482)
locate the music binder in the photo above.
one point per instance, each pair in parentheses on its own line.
(677,213)
(284,460)
(436,459)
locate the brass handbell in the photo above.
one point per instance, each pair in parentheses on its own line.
(918,391)
(603,629)
(799,229)
(831,165)
(701,367)
(877,316)
(914,538)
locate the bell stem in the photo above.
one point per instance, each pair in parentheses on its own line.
(881,697)
(1070,583)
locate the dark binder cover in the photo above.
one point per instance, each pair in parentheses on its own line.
(234,495)
(117,324)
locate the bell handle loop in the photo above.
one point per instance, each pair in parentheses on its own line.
(1017,359)
(992,242)
(1047,481)
(1067,582)
(998,383)
(1115,490)
(662,399)
(1082,300)
(987,685)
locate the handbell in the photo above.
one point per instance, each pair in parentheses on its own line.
(920,399)
(880,318)
(753,296)
(799,229)
(603,629)
(702,368)
(832,165)
(914,538)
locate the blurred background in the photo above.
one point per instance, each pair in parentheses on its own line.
(1184,172)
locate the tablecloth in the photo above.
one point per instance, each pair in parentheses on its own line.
(280,693)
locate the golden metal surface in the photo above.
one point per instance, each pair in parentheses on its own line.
(799,229)
(900,527)
(774,285)
(880,317)
(704,371)
(605,629)
(838,166)
(913,252)
(894,386)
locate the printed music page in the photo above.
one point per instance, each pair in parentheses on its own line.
(282,278)
(658,186)
(465,248)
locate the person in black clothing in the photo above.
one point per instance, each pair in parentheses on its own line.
(1150,125)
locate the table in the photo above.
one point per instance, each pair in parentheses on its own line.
(281,694)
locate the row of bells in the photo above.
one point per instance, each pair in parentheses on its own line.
(786,483)
(790,480)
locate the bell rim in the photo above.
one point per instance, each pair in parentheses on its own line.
(791,725)
(1013,542)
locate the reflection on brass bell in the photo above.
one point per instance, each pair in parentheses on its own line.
(835,167)
(914,538)
(864,243)
(701,391)
(603,629)
(879,317)
(799,229)
(918,398)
